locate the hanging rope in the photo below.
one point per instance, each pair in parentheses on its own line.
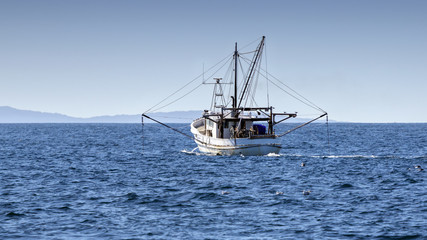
(327,127)
(142,130)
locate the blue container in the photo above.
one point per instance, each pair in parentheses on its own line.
(259,129)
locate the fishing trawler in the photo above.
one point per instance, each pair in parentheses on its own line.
(239,129)
(236,124)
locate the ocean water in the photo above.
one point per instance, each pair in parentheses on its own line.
(108,181)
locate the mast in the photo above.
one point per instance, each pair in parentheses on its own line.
(235,78)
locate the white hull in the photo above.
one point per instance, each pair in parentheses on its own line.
(239,150)
(238,146)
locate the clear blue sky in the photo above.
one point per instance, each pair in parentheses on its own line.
(362,61)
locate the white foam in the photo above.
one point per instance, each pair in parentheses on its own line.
(348,156)
(197,153)
(273,155)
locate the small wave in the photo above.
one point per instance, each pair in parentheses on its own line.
(206,196)
(403,237)
(273,155)
(65,207)
(14,214)
(346,185)
(131,196)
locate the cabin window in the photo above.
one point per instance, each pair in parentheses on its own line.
(210,123)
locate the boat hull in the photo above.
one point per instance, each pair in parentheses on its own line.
(236,146)
(246,150)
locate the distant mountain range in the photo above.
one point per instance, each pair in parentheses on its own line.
(13,115)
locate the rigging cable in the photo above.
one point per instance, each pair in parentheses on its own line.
(253,66)
(192,90)
(290,94)
(308,101)
(268,92)
(202,74)
(213,99)
(253,101)
(256,40)
(253,85)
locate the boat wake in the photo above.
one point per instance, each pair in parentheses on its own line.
(346,156)
(355,156)
(197,153)
(321,156)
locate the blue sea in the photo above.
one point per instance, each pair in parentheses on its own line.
(119,181)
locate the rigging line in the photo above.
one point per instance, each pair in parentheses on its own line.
(202,74)
(252,67)
(213,98)
(290,94)
(241,83)
(308,102)
(256,40)
(295,92)
(229,60)
(247,52)
(222,96)
(253,85)
(249,88)
(268,92)
(218,70)
(178,98)
(268,80)
(256,87)
(295,96)
(244,74)
(249,63)
(227,79)
(186,93)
